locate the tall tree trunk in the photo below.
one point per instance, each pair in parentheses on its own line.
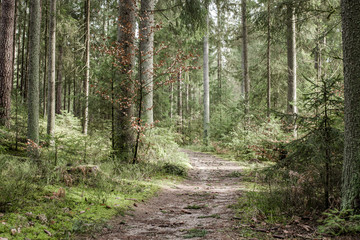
(147,55)
(124,135)
(245,65)
(22,83)
(219,52)
(6,59)
(291,60)
(206,84)
(45,58)
(187,86)
(69,95)
(350,14)
(87,67)
(33,99)
(179,102)
(59,82)
(18,54)
(51,70)
(268,65)
(171,99)
(64,102)
(14,44)
(26,79)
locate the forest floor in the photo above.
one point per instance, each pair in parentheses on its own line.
(197,208)
(205,206)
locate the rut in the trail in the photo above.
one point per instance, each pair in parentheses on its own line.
(195,207)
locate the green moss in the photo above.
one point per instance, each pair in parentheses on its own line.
(79,211)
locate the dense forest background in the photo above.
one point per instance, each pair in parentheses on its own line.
(97,96)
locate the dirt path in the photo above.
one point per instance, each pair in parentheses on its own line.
(197,208)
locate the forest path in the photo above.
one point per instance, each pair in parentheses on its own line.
(196,208)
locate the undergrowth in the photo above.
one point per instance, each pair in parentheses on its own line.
(78,186)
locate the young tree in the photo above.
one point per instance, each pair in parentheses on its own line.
(51,69)
(147,55)
(6,59)
(124,134)
(291,60)
(350,14)
(33,87)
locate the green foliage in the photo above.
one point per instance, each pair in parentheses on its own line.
(260,205)
(256,140)
(18,178)
(95,187)
(338,222)
(312,168)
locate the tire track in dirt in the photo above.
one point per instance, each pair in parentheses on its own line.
(197,206)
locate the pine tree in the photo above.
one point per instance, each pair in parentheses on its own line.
(51,69)
(124,134)
(292,66)
(6,59)
(206,84)
(350,13)
(33,88)
(147,55)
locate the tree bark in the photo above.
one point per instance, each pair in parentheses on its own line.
(219,52)
(124,135)
(65,92)
(245,63)
(51,70)
(291,60)
(59,82)
(206,85)
(33,90)
(87,67)
(147,55)
(180,102)
(23,70)
(350,14)
(6,59)
(46,58)
(268,65)
(171,99)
